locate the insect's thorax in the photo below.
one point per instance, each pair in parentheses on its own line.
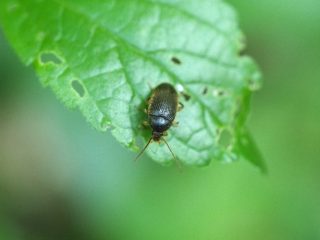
(159,123)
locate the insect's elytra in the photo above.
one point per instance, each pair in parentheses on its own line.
(162,107)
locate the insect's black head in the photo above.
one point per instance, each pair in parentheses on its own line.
(156,136)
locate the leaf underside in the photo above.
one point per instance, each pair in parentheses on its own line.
(103,57)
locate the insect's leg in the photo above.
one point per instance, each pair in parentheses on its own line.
(185,96)
(180,106)
(175,124)
(145,124)
(141,107)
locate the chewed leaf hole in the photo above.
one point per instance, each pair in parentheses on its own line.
(47,57)
(77,86)
(225,138)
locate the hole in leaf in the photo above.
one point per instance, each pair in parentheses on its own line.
(225,138)
(77,86)
(179,88)
(176,60)
(47,57)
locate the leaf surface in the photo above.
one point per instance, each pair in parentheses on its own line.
(104,57)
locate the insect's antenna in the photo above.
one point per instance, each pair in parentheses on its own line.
(142,151)
(174,156)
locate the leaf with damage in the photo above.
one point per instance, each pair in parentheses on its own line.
(102,57)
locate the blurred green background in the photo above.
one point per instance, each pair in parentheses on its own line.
(60,179)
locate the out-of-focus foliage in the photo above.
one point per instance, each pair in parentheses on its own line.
(103,56)
(60,179)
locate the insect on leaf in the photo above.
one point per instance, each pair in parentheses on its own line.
(102,56)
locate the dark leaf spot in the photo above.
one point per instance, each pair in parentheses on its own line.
(176,60)
(205,90)
(219,93)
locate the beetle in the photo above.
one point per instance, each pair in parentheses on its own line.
(162,106)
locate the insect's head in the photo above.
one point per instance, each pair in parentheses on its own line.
(156,136)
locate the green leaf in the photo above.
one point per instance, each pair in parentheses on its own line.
(102,57)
